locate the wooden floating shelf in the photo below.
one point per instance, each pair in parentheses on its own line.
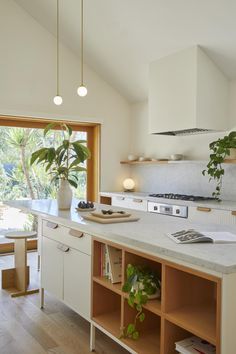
(149,162)
(165,162)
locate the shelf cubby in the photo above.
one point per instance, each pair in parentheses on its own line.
(150,331)
(131,258)
(107,309)
(173,334)
(117,288)
(191,303)
(97,277)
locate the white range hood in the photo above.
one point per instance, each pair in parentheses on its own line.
(188,94)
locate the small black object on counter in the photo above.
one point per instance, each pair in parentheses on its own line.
(85,205)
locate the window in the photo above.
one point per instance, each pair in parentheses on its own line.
(19,137)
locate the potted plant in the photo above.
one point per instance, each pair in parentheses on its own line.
(142,284)
(223,148)
(63,163)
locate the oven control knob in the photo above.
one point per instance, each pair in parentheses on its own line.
(177,211)
(155,207)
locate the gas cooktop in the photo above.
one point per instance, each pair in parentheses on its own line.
(193,198)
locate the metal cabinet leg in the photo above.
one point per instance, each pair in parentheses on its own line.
(41,298)
(92,337)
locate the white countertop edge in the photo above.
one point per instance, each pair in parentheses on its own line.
(145,247)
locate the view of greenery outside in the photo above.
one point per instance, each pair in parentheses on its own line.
(19,180)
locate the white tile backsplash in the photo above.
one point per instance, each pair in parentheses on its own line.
(182,178)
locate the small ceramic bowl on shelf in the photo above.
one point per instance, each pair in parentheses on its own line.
(132,157)
(176,157)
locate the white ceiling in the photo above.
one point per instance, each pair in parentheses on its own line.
(123,36)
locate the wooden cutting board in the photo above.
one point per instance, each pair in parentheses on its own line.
(109,221)
(112,216)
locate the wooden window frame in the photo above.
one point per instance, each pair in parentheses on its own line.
(93,134)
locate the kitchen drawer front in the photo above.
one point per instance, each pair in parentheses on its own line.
(68,236)
(214,216)
(120,202)
(130,203)
(138,204)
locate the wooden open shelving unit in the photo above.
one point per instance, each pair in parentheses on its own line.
(190,304)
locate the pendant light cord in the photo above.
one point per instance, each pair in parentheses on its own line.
(58,47)
(82,42)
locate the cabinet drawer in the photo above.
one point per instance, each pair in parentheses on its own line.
(69,236)
(119,202)
(137,204)
(213,216)
(130,203)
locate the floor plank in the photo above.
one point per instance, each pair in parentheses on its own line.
(25,329)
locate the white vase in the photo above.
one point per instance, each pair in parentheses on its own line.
(64,195)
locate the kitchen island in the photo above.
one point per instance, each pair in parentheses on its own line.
(198,280)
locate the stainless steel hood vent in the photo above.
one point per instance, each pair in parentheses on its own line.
(185,132)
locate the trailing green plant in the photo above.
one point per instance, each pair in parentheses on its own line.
(64,161)
(141,284)
(220,150)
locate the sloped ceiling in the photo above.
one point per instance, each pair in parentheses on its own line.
(123,36)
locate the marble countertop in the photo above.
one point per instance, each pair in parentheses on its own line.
(147,234)
(223,205)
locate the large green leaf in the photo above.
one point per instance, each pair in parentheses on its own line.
(35,155)
(79,169)
(51,155)
(49,127)
(73,183)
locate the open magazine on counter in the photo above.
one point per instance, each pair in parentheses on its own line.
(193,236)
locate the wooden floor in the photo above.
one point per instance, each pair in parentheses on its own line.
(25,329)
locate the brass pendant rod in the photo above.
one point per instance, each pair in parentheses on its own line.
(58,13)
(82,42)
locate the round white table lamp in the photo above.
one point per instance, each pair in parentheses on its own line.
(128,185)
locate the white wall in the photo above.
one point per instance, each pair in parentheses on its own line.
(180,178)
(28,84)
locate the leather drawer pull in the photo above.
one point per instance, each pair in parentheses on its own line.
(233,213)
(52,225)
(76,233)
(137,200)
(63,248)
(206,210)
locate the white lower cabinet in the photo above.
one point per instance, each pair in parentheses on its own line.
(66,274)
(52,268)
(77,281)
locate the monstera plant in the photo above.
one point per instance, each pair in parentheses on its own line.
(63,162)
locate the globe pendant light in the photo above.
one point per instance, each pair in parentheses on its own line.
(82,90)
(58,99)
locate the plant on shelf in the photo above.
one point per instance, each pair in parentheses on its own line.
(142,284)
(221,150)
(63,162)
